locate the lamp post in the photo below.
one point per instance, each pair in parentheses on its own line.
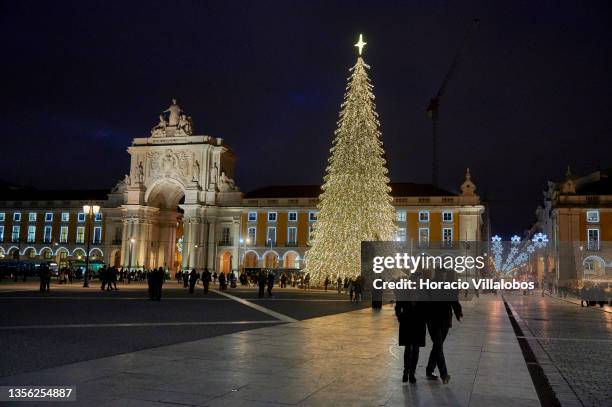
(90,211)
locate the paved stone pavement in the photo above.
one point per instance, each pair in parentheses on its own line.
(344,359)
(576,343)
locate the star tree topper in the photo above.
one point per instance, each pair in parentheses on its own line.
(360,44)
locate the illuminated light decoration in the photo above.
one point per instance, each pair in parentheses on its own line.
(360,44)
(518,254)
(355,204)
(539,240)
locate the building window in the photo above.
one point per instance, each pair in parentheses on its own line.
(80,236)
(401,234)
(292,216)
(97,236)
(423,216)
(15,234)
(400,216)
(423,236)
(447,236)
(48,216)
(47,235)
(32,217)
(225,236)
(310,232)
(271,236)
(252,233)
(65,216)
(1,233)
(63,234)
(2,216)
(593,216)
(271,216)
(252,216)
(98,217)
(17,217)
(312,216)
(292,234)
(593,239)
(447,216)
(81,217)
(31,234)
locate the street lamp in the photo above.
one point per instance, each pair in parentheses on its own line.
(90,211)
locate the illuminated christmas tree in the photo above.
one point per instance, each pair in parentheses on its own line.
(355,204)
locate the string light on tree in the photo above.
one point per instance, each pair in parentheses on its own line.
(355,204)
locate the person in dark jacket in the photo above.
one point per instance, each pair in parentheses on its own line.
(412,332)
(270,282)
(206,277)
(193,279)
(261,282)
(439,316)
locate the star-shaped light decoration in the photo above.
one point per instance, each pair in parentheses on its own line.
(360,44)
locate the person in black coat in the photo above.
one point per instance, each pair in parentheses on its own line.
(206,277)
(193,279)
(261,282)
(270,282)
(411,334)
(439,316)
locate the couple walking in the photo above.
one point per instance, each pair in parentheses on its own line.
(414,317)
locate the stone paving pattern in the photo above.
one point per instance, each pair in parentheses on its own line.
(347,359)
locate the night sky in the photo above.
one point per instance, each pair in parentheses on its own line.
(533,93)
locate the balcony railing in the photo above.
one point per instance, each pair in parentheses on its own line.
(291,244)
(225,243)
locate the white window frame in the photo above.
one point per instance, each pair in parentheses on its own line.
(15,237)
(401,234)
(289,229)
(444,239)
(1,233)
(591,246)
(80,235)
(449,213)
(292,213)
(312,216)
(400,216)
(32,217)
(595,218)
(63,237)
(254,234)
(421,242)
(31,237)
(97,232)
(271,228)
(275,215)
(426,213)
(2,216)
(48,231)
(254,219)
(65,217)
(81,217)
(16,216)
(310,230)
(48,216)
(98,217)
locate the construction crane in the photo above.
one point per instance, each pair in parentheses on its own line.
(434,103)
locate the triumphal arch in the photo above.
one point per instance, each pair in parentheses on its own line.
(179,183)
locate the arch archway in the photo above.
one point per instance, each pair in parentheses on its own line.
(78,253)
(115,258)
(225,262)
(61,257)
(270,259)
(250,259)
(291,260)
(593,266)
(29,252)
(13,253)
(46,253)
(96,254)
